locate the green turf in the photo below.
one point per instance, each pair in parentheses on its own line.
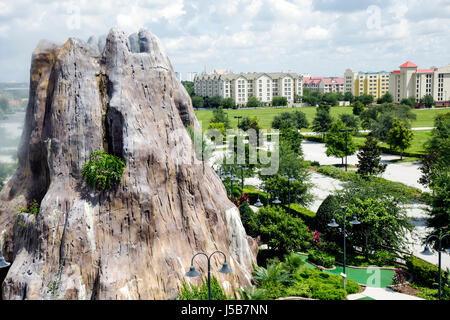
(378,278)
(420,137)
(366,298)
(425,117)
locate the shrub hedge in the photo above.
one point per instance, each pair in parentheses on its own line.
(396,188)
(321,258)
(424,273)
(296,210)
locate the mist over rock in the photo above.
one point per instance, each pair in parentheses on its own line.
(135,241)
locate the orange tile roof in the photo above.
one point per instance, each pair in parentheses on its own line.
(408,64)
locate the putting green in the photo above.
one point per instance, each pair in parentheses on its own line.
(370,277)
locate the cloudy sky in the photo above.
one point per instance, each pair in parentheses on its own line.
(320,37)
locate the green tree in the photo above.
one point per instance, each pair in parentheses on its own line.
(197,102)
(228,103)
(220,116)
(339,144)
(214,102)
(253,102)
(249,123)
(437,157)
(348,96)
(296,119)
(298,190)
(330,99)
(282,232)
(369,158)
(379,119)
(358,107)
(189,86)
(365,99)
(350,121)
(322,121)
(411,101)
(427,101)
(436,175)
(279,101)
(439,214)
(384,221)
(400,136)
(299,120)
(340,96)
(387,98)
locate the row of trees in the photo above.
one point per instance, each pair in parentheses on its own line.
(387,122)
(332,98)
(436,175)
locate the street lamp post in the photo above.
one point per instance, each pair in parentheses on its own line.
(428,252)
(333,224)
(291,178)
(232,178)
(276,201)
(238,117)
(194,273)
(244,167)
(346,143)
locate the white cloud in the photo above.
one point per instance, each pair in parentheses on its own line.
(242,35)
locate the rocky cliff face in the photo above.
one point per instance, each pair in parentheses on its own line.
(132,242)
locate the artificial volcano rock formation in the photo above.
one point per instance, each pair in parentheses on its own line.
(136,240)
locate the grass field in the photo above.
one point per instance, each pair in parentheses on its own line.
(425,117)
(420,137)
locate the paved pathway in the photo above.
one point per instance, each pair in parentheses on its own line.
(406,172)
(381,294)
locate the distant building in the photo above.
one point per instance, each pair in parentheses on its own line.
(190,76)
(410,81)
(374,83)
(263,86)
(324,85)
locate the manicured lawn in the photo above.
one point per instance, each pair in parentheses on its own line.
(420,137)
(265,116)
(371,277)
(425,117)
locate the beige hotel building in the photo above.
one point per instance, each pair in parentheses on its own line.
(263,86)
(410,81)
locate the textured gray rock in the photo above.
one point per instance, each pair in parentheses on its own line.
(135,241)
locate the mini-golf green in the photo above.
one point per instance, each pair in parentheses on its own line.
(370,277)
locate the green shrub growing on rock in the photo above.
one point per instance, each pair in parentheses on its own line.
(103,170)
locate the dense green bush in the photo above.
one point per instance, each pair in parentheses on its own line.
(384,258)
(282,232)
(103,170)
(200,292)
(303,213)
(325,213)
(253,195)
(424,273)
(248,219)
(321,258)
(291,278)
